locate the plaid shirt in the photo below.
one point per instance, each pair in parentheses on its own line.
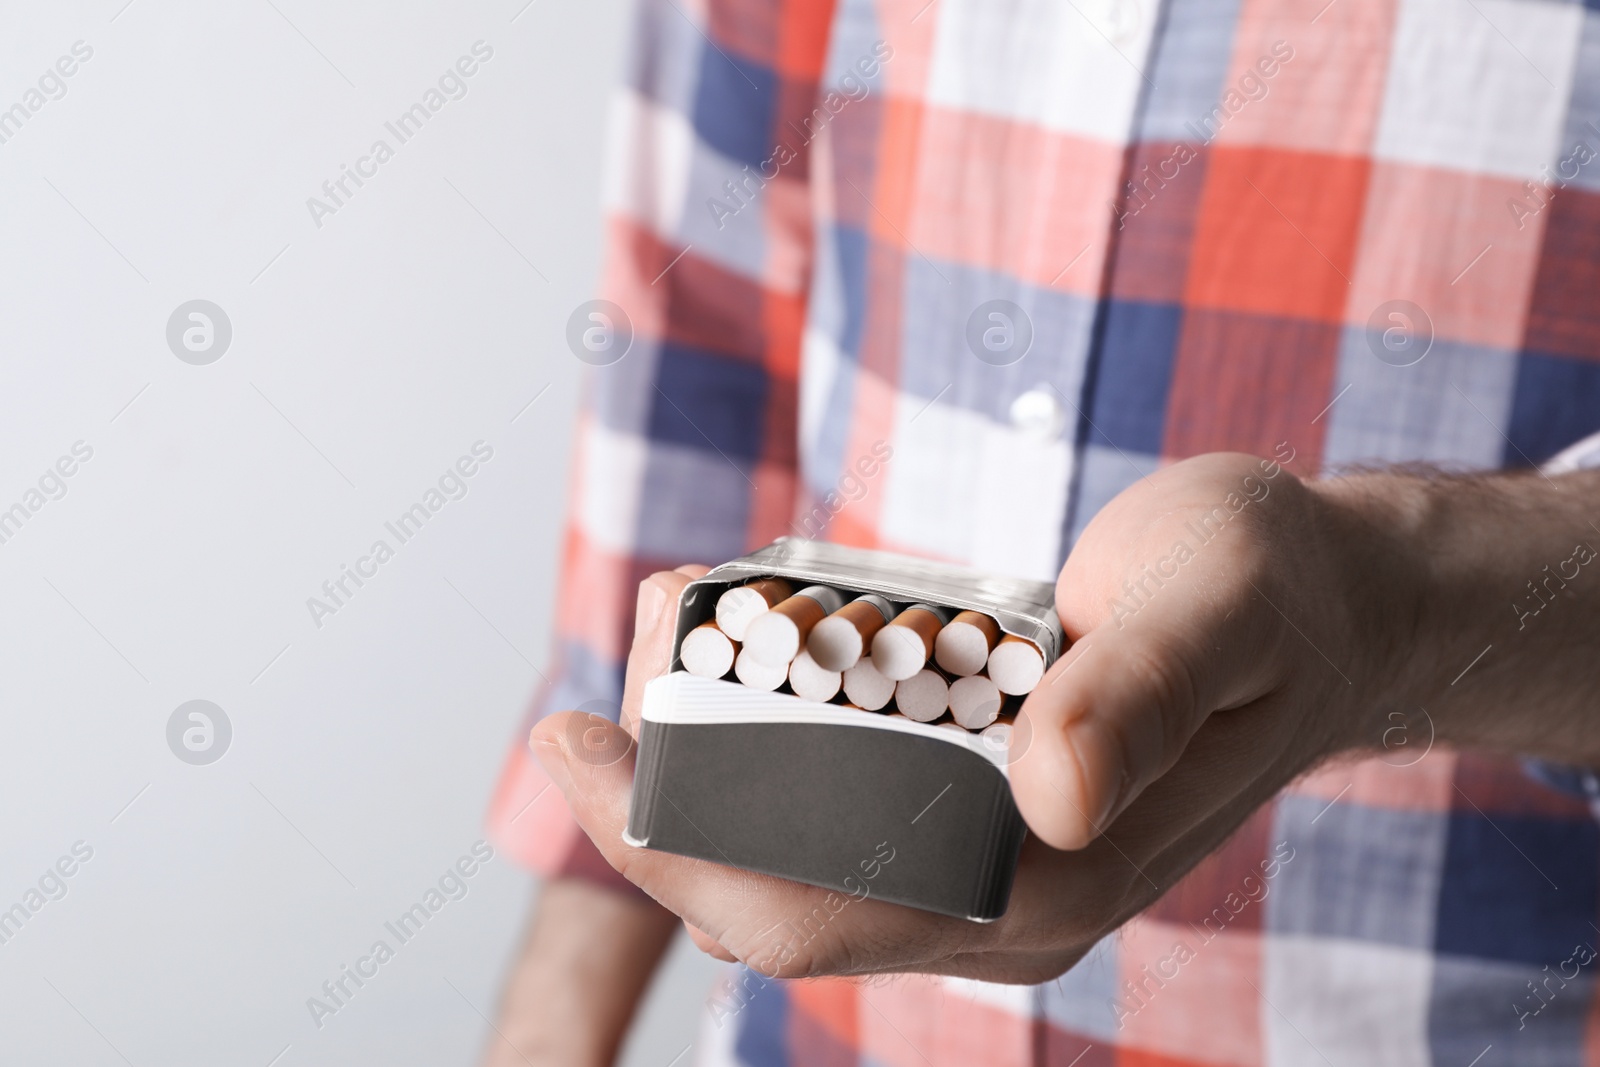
(1360,231)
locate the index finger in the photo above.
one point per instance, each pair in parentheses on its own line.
(655,622)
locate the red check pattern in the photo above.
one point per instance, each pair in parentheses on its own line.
(1205,210)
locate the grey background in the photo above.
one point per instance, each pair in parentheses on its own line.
(367,356)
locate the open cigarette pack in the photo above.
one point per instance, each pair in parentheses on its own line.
(843,717)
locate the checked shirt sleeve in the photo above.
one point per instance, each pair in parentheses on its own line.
(686,443)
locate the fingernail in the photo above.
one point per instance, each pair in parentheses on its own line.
(651,603)
(1100,766)
(548,751)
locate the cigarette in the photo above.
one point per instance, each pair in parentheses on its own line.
(1016,665)
(963,646)
(866,687)
(974,701)
(707,652)
(923,697)
(775,636)
(904,647)
(838,641)
(757,675)
(811,681)
(740,606)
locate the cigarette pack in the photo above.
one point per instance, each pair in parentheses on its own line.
(821,793)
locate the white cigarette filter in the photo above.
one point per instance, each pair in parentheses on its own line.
(866,687)
(974,701)
(776,636)
(838,642)
(740,606)
(903,647)
(963,646)
(1016,665)
(810,681)
(923,697)
(755,674)
(707,652)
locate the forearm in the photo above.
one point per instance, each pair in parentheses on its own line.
(572,991)
(1490,588)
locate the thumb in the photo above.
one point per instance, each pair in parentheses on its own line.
(708,944)
(1114,714)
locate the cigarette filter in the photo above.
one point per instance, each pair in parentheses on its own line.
(922,697)
(757,675)
(974,701)
(743,604)
(839,641)
(867,687)
(1016,665)
(811,681)
(775,637)
(707,652)
(963,646)
(904,647)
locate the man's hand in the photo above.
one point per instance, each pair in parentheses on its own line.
(1231,627)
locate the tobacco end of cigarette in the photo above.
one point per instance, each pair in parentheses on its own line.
(1016,665)
(707,652)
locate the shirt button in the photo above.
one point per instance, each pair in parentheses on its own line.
(1038,414)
